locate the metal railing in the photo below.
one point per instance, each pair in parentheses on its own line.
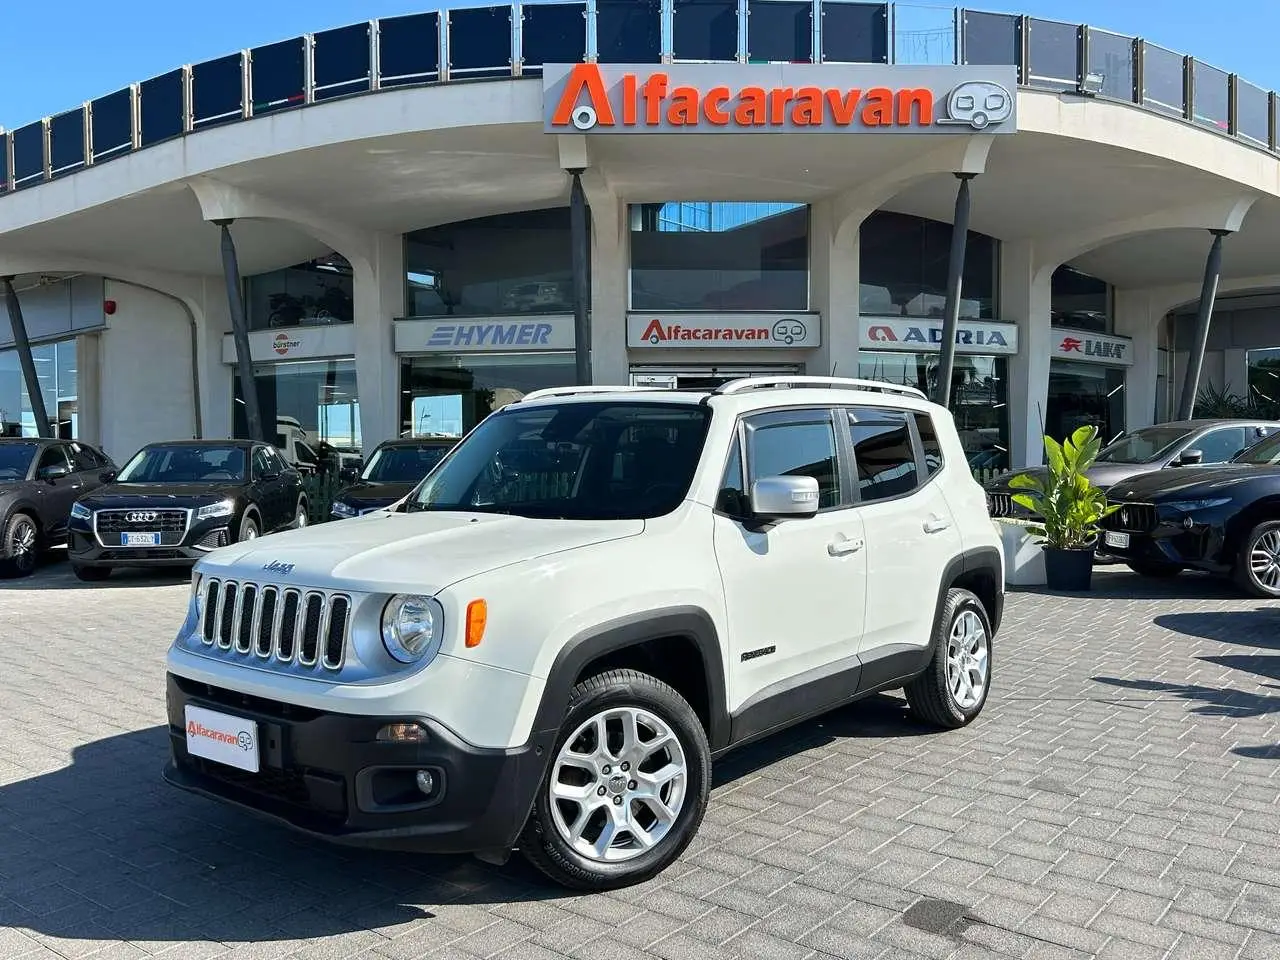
(464,44)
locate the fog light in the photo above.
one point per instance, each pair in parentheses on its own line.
(403,733)
(426,782)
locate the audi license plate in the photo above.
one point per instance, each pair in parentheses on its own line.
(139,539)
(222,738)
(1113,539)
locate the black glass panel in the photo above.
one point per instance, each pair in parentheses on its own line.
(4,162)
(1253,108)
(480,42)
(705,30)
(780,31)
(112,123)
(28,154)
(1112,58)
(904,267)
(217,90)
(855,32)
(66,141)
(160,104)
(553,33)
(1210,97)
(991,39)
(1162,80)
(408,49)
(628,31)
(1053,54)
(340,61)
(279,75)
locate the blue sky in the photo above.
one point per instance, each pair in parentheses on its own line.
(92,48)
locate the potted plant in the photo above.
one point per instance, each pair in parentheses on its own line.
(1069,506)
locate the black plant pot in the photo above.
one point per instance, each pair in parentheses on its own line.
(1068,569)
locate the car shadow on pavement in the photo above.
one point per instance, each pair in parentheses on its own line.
(1123,584)
(59,576)
(104,850)
(1254,628)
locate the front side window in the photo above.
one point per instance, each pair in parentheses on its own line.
(573,461)
(719,256)
(186,463)
(797,449)
(883,453)
(53,457)
(402,464)
(261,463)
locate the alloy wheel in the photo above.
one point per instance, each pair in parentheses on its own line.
(1264,560)
(618,785)
(967,660)
(22,543)
(300,520)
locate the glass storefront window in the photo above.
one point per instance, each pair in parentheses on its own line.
(309,408)
(1080,301)
(719,256)
(904,264)
(979,397)
(1084,394)
(1264,380)
(316,292)
(57,373)
(493,266)
(445,396)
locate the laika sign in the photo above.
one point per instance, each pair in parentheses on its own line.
(777,98)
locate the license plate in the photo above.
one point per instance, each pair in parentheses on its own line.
(223,739)
(1112,539)
(139,539)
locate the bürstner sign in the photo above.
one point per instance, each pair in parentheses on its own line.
(745,330)
(925,335)
(777,98)
(1091,347)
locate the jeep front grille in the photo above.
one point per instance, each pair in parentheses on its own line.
(285,625)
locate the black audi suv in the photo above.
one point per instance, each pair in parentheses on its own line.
(1223,520)
(175,501)
(394,469)
(39,481)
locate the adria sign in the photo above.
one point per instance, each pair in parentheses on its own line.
(925,336)
(773,98)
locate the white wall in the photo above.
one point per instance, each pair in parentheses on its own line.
(146,391)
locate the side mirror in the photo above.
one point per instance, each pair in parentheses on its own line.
(778,497)
(106,476)
(1191,457)
(54,472)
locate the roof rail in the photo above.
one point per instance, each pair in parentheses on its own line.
(751,383)
(571,391)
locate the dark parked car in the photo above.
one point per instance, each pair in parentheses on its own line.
(1223,520)
(394,469)
(1181,443)
(39,481)
(175,501)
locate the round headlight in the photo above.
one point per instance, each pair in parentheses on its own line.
(410,628)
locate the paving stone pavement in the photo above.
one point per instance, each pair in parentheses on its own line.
(1117,798)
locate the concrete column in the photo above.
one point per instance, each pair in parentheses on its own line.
(215,387)
(379,296)
(89,389)
(610,261)
(1025,300)
(1137,316)
(833,289)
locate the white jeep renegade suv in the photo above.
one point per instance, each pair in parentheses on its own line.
(594,594)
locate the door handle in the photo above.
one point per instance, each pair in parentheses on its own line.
(936,524)
(843,545)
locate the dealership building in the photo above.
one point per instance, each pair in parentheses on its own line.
(395,227)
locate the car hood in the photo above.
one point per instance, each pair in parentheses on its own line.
(1103,475)
(159,494)
(1184,482)
(369,492)
(400,552)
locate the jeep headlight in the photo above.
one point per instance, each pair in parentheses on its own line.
(223,508)
(411,628)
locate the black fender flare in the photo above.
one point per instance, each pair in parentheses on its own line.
(980,560)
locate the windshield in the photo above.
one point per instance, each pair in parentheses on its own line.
(15,460)
(1142,446)
(185,463)
(402,464)
(572,461)
(1262,453)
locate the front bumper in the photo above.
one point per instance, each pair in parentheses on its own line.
(326,775)
(1173,540)
(85,549)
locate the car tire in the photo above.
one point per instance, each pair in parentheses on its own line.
(249,529)
(611,792)
(1251,572)
(961,655)
(20,545)
(90,574)
(300,516)
(1154,569)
